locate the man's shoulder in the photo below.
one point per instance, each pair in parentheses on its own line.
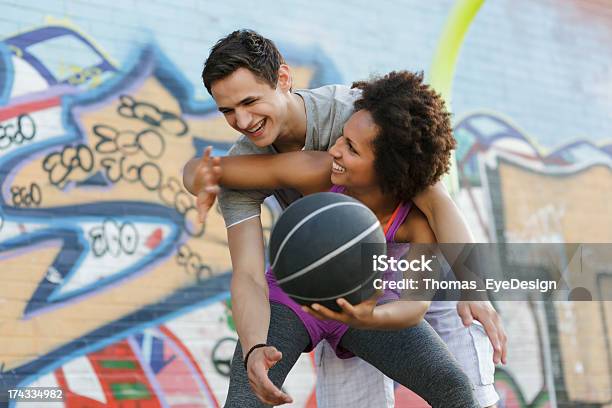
(328,94)
(327,109)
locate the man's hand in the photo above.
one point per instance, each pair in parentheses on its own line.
(260,362)
(206,182)
(359,316)
(484,312)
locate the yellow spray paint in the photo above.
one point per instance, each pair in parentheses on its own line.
(442,69)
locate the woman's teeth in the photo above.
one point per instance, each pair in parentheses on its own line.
(338,168)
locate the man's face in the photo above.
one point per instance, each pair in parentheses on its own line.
(251,106)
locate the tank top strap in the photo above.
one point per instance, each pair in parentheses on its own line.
(392,219)
(396,220)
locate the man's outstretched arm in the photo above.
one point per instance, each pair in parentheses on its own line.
(251,307)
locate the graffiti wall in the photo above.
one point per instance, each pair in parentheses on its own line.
(102,254)
(111,290)
(518,193)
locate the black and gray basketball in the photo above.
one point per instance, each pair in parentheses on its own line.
(316,250)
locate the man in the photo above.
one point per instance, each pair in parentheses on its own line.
(252,86)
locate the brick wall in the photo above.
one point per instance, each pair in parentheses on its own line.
(110,289)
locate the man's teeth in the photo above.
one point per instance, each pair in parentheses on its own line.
(338,167)
(259,126)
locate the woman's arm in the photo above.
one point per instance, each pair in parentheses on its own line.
(397,314)
(400,314)
(444,216)
(305,171)
(405,313)
(450,226)
(416,229)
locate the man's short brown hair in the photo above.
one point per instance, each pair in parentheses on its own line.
(243,49)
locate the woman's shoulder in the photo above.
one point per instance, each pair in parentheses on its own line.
(415,228)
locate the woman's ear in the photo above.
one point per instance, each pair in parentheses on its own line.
(285,81)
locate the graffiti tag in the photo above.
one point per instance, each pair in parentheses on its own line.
(26,196)
(152,115)
(82,75)
(147,173)
(16,131)
(60,165)
(114,238)
(222,354)
(148,141)
(173,195)
(192,262)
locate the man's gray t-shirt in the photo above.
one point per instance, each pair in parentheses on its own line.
(327,109)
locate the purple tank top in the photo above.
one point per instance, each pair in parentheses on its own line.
(277,294)
(333,330)
(396,251)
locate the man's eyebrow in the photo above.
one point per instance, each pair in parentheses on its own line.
(247,99)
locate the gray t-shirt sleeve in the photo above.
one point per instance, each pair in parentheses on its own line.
(240,205)
(327,110)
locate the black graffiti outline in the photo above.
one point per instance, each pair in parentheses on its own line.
(18,137)
(82,158)
(113,141)
(192,262)
(121,170)
(21,197)
(116,245)
(151,176)
(174,195)
(144,111)
(222,365)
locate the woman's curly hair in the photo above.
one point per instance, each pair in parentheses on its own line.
(413,147)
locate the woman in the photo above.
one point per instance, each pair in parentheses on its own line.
(383,160)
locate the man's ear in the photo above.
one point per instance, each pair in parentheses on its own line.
(285,81)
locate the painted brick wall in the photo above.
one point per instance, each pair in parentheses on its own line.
(111,290)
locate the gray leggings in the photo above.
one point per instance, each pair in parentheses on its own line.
(415,357)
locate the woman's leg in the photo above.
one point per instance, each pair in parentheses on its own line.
(417,358)
(288,334)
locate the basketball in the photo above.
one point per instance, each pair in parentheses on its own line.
(317,253)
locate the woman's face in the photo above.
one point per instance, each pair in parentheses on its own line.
(353,153)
